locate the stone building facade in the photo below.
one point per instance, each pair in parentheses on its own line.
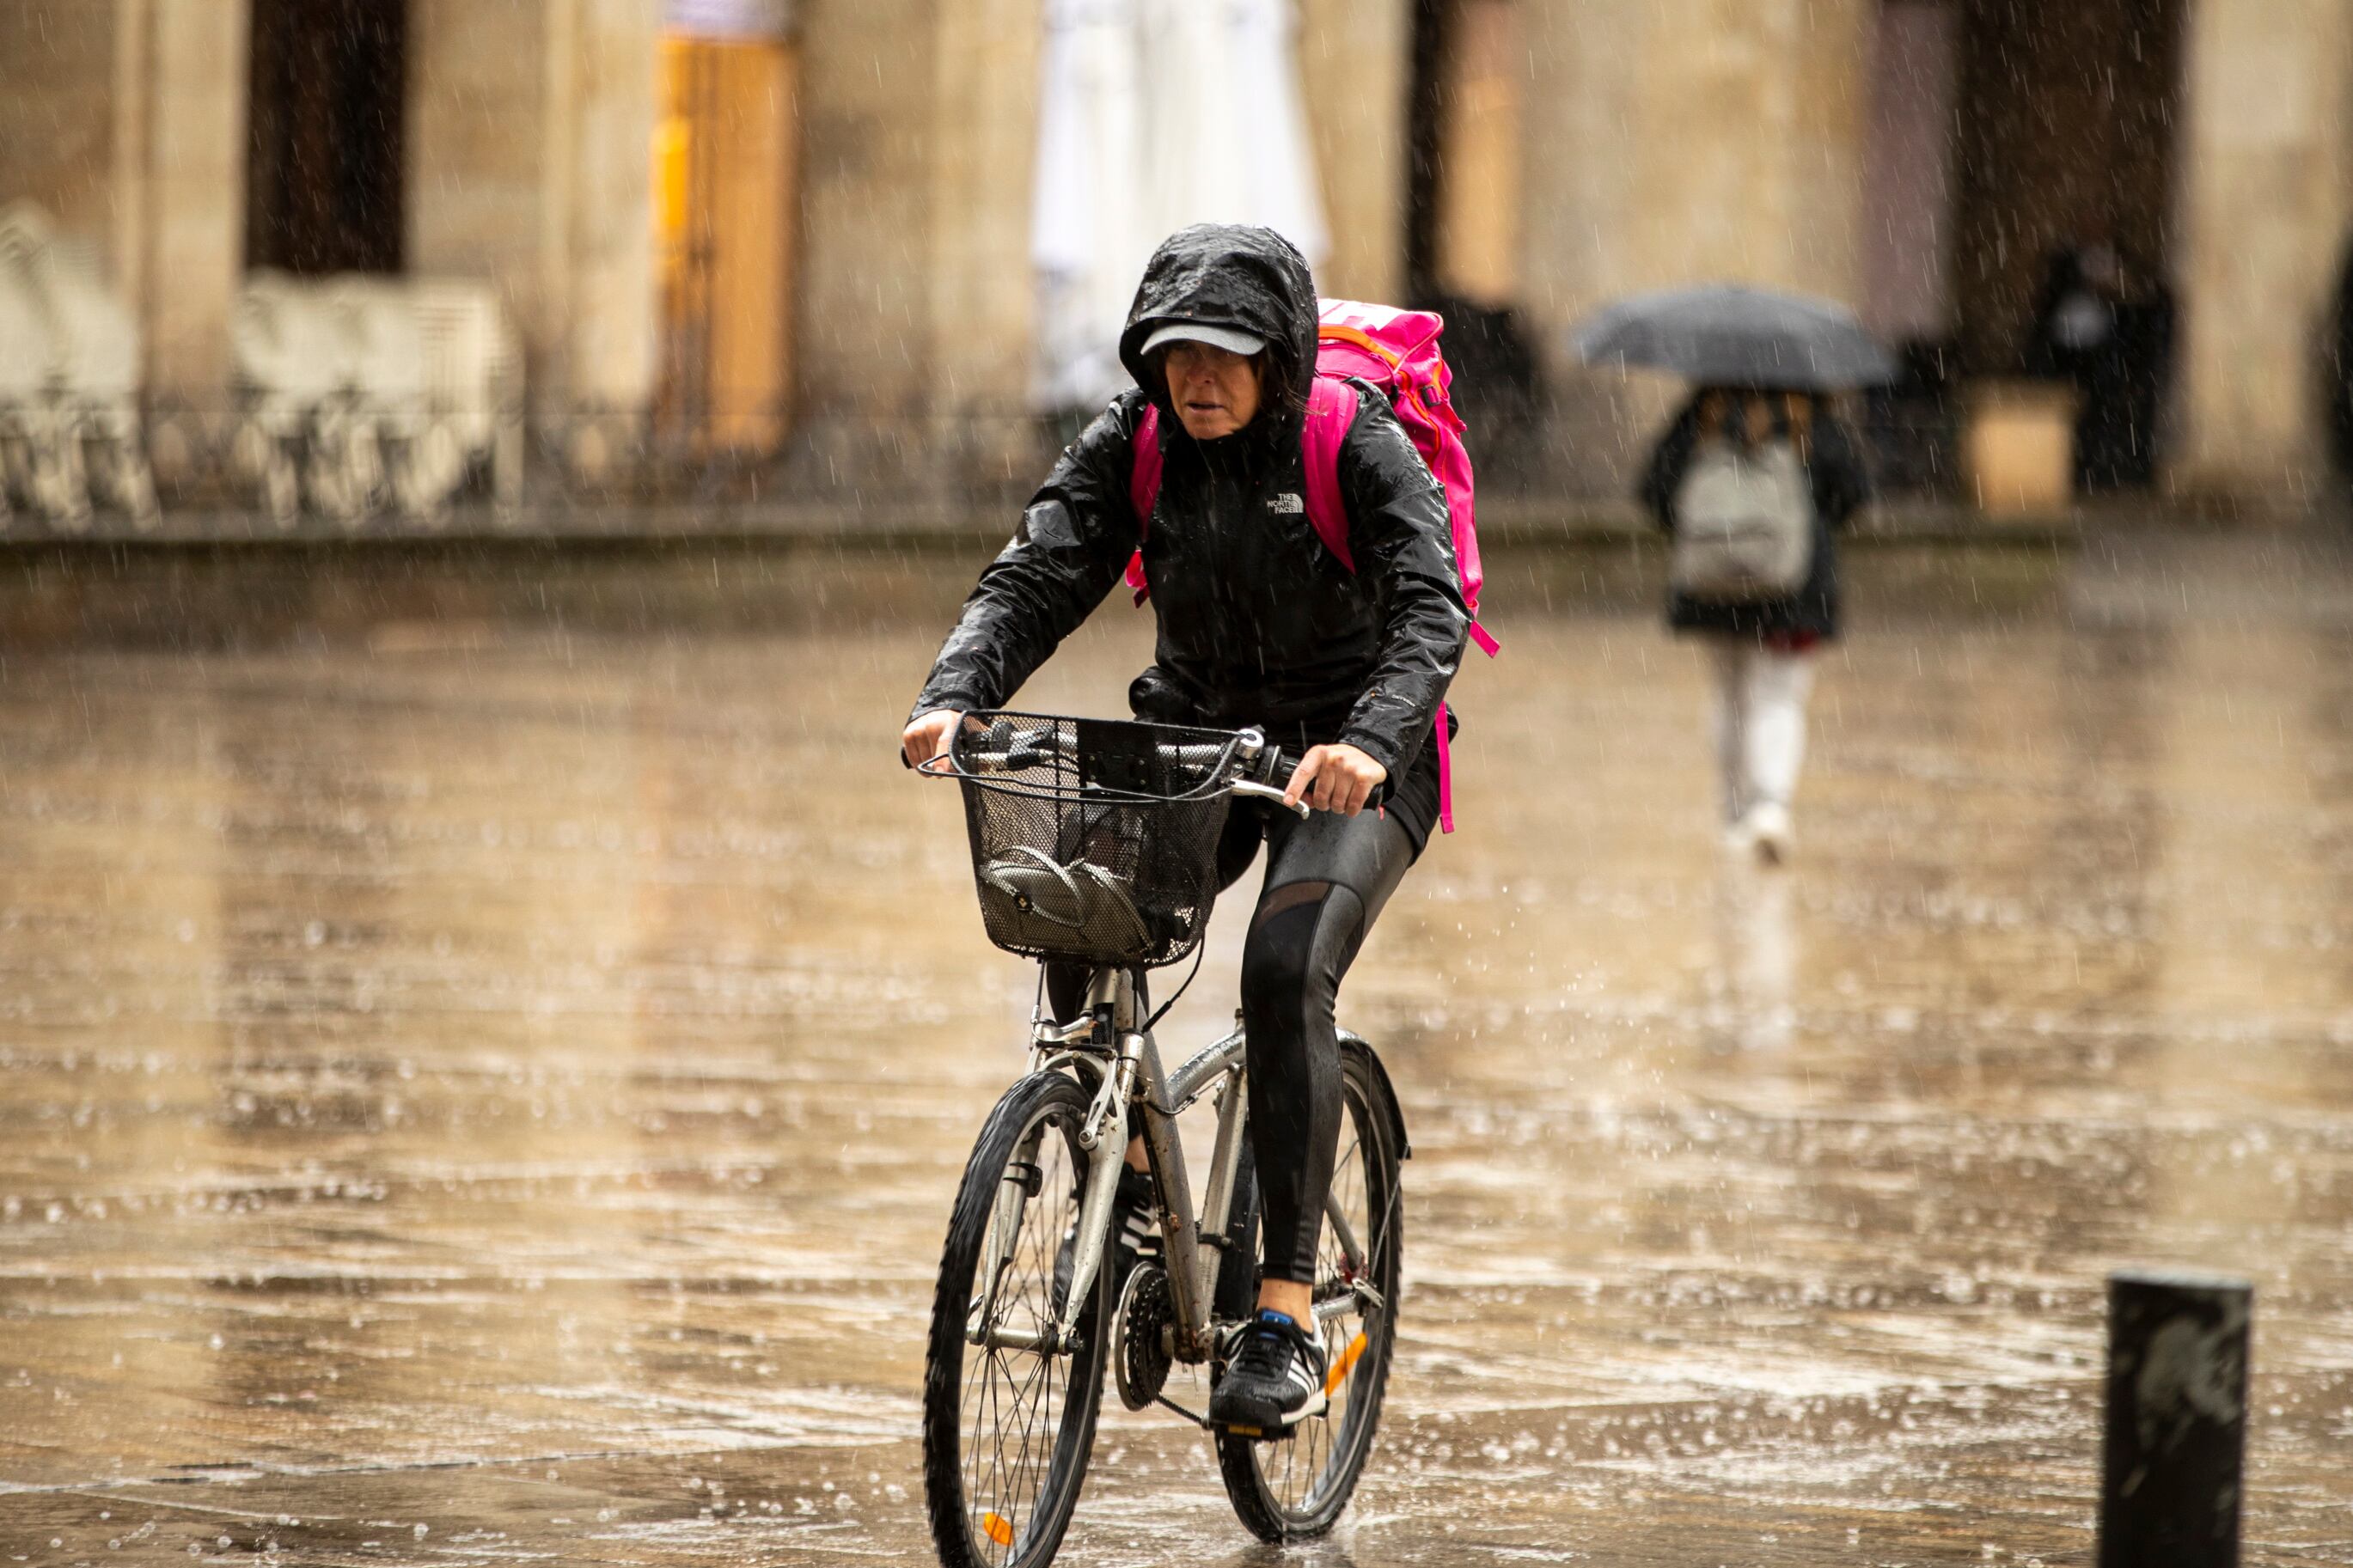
(1916,157)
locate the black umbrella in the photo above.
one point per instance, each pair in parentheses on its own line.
(1725,336)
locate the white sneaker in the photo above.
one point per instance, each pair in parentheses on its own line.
(1768,828)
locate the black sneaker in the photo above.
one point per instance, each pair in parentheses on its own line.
(1135,1234)
(1274,1380)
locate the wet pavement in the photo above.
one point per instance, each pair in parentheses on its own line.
(488,1040)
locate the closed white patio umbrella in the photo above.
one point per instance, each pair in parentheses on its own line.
(1156,114)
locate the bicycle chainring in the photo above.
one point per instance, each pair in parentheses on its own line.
(1147,1326)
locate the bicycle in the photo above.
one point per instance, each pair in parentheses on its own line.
(1095,841)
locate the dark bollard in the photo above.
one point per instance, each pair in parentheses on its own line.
(2177,1434)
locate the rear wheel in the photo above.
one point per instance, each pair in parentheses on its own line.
(1007,1423)
(1294,1488)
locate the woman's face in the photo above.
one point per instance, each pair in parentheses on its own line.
(1215,390)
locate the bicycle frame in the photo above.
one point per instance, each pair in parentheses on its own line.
(1128,1060)
(1109,1037)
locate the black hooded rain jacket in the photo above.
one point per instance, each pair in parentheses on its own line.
(1259,623)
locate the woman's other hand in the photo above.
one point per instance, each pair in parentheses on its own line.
(1335,778)
(927,736)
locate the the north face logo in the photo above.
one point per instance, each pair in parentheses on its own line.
(1287,503)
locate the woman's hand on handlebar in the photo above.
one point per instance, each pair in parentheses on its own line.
(927,736)
(1335,778)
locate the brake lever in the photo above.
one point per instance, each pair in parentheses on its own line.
(1268,792)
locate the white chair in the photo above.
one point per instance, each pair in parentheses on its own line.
(453,366)
(69,391)
(24,378)
(293,360)
(402,386)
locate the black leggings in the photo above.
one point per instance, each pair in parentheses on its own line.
(1326,879)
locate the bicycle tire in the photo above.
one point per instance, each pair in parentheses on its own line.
(980,1516)
(1295,1488)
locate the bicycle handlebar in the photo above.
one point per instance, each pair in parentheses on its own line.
(1260,765)
(1275,763)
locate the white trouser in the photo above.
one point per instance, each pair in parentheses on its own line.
(1760,722)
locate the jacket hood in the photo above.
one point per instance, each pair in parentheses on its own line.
(1228,275)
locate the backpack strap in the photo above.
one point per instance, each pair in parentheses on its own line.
(1445,773)
(1332,407)
(1331,410)
(1144,481)
(1143,493)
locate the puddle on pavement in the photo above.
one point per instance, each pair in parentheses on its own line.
(487,1042)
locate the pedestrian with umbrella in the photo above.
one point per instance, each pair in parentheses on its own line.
(1752,480)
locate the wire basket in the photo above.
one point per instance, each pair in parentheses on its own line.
(1092,839)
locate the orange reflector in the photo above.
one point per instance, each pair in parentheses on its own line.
(1340,1369)
(997,1528)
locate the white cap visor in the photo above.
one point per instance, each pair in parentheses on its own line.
(1227,338)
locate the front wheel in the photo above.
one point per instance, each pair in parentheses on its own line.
(1294,1488)
(1007,1420)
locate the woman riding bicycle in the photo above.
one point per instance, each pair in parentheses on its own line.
(1257,625)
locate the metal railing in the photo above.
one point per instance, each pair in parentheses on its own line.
(244,467)
(248,467)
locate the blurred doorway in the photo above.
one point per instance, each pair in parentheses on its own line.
(2001,132)
(723,174)
(2065,138)
(2018,220)
(1463,200)
(324,150)
(1470,70)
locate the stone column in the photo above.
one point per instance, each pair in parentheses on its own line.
(919,124)
(1680,141)
(1355,61)
(609,243)
(194,230)
(868,74)
(981,295)
(2265,206)
(59,102)
(529,164)
(124,119)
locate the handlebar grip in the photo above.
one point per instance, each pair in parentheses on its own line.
(1275,762)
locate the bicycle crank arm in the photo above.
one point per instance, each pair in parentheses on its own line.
(1348,1301)
(1168,1403)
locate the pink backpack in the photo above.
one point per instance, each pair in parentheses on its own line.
(1398,352)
